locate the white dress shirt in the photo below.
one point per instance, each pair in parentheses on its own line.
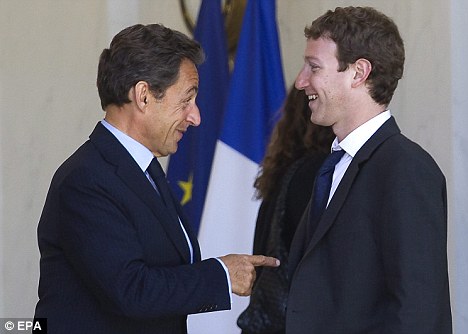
(352,143)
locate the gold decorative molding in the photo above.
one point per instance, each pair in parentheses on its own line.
(233,12)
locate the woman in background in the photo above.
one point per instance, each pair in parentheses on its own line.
(284,184)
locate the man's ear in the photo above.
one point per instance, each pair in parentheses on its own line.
(141,94)
(362,68)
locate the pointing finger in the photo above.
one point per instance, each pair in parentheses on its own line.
(261,260)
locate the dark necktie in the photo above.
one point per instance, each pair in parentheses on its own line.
(157,174)
(322,188)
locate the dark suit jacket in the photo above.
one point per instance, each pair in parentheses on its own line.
(112,259)
(377,261)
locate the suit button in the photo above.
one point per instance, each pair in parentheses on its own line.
(202,309)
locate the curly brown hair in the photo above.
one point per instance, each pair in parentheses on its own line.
(363,32)
(293,137)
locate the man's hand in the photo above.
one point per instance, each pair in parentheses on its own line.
(242,270)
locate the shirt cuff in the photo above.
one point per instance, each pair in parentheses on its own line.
(227,278)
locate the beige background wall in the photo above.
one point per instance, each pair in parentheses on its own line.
(48,106)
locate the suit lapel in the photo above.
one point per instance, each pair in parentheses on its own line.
(131,174)
(188,228)
(388,129)
(299,242)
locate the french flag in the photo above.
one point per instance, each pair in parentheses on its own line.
(256,93)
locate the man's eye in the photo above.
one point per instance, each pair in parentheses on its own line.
(186,103)
(313,67)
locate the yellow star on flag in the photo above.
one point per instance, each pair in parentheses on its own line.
(186,187)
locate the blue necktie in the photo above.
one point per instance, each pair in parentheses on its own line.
(159,178)
(322,188)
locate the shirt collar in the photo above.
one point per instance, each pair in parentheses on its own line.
(359,136)
(139,153)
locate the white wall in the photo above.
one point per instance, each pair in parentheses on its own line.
(47,58)
(48,106)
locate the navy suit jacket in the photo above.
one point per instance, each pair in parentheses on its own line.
(377,260)
(112,259)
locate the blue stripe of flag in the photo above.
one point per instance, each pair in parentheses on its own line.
(193,159)
(257,85)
